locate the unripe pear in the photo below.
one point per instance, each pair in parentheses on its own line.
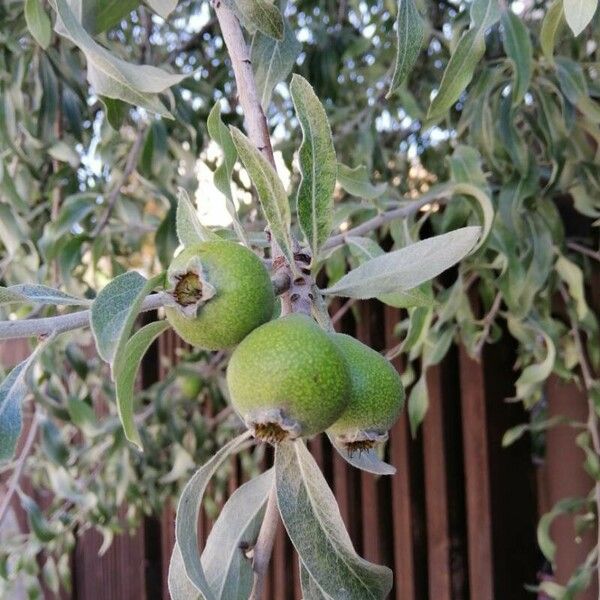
(222,292)
(376,396)
(288,379)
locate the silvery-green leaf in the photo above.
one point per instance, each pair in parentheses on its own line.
(188,509)
(410,34)
(550,27)
(189,229)
(261,15)
(465,58)
(220,133)
(310,590)
(180,587)
(271,192)
(408,267)
(38,294)
(12,392)
(228,570)
(356,182)
(162,7)
(533,375)
(312,519)
(579,13)
(317,164)
(518,48)
(115,309)
(366,460)
(125,373)
(272,61)
(110,76)
(364,249)
(485,205)
(38,22)
(574,86)
(417,405)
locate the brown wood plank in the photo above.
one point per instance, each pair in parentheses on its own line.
(117,575)
(565,477)
(475,447)
(402,529)
(436,495)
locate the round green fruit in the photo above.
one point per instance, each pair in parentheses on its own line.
(222,292)
(287,379)
(376,396)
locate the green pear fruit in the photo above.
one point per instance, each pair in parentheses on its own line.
(288,379)
(222,292)
(376,396)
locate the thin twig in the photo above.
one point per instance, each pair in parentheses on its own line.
(113,196)
(264,545)
(584,250)
(437,196)
(343,310)
(488,321)
(20,465)
(24,328)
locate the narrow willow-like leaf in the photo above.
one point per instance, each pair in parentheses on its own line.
(272,61)
(98,16)
(533,375)
(189,229)
(115,309)
(310,589)
(417,405)
(188,509)
(258,14)
(271,192)
(312,519)
(180,587)
(126,371)
(410,33)
(579,13)
(518,48)
(408,267)
(38,294)
(228,570)
(485,205)
(574,86)
(356,182)
(366,460)
(465,58)
(38,22)
(12,392)
(113,77)
(318,165)
(551,24)
(364,249)
(219,132)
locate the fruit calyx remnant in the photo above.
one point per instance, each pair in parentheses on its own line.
(273,426)
(361,441)
(190,288)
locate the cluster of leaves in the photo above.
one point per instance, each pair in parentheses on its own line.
(89,184)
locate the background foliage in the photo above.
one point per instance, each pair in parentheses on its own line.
(500,97)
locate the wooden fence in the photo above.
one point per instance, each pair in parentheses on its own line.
(457,521)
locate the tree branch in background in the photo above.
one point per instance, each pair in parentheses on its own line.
(45,326)
(376,222)
(113,196)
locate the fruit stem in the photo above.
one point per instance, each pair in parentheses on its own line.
(264,545)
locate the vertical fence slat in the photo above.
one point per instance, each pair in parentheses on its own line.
(404,571)
(438,542)
(475,447)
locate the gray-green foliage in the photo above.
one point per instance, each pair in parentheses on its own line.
(515,100)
